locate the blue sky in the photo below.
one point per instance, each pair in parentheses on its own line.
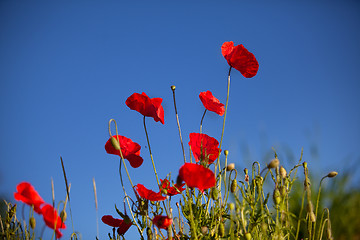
(67,68)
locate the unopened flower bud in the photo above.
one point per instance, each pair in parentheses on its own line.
(276,196)
(248,236)
(164,191)
(222,230)
(274,163)
(204,230)
(230,167)
(233,185)
(246,171)
(115,143)
(282,172)
(232,206)
(63,216)
(214,193)
(32,222)
(332,174)
(305,165)
(226,152)
(283,191)
(173,87)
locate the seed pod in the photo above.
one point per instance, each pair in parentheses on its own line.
(283,191)
(332,174)
(214,194)
(63,216)
(233,186)
(32,222)
(230,167)
(222,230)
(226,152)
(232,206)
(173,87)
(204,230)
(282,172)
(149,233)
(115,143)
(164,191)
(274,163)
(248,236)
(276,196)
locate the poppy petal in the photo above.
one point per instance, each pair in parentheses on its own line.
(211,103)
(149,194)
(195,175)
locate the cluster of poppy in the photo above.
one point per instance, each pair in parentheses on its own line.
(204,148)
(28,195)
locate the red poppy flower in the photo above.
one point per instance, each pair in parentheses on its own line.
(27,194)
(149,107)
(149,194)
(129,149)
(171,191)
(204,148)
(52,219)
(162,221)
(122,225)
(240,58)
(198,176)
(211,103)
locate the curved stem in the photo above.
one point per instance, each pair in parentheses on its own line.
(223,128)
(152,159)
(201,122)
(178,123)
(317,205)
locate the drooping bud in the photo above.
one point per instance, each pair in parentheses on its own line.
(332,174)
(276,196)
(63,215)
(248,236)
(32,222)
(282,172)
(115,143)
(230,167)
(214,194)
(233,185)
(274,163)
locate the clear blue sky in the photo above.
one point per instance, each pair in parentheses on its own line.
(67,68)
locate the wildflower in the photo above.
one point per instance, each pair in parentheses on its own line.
(162,221)
(129,149)
(122,225)
(52,219)
(27,194)
(171,191)
(203,147)
(149,194)
(211,103)
(240,58)
(149,107)
(195,175)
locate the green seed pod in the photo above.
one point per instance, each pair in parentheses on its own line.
(149,233)
(276,196)
(248,236)
(32,223)
(63,216)
(164,191)
(231,206)
(274,163)
(173,87)
(282,172)
(222,230)
(305,165)
(233,186)
(283,191)
(332,174)
(246,171)
(214,194)
(115,143)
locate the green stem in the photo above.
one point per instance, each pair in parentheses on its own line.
(317,205)
(201,122)
(152,159)
(299,220)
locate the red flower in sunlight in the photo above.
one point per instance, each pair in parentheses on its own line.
(130,150)
(195,175)
(149,194)
(211,103)
(52,219)
(171,191)
(240,58)
(149,107)
(27,194)
(204,148)
(122,225)
(162,221)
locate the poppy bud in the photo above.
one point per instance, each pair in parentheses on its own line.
(282,172)
(204,230)
(305,165)
(149,233)
(246,171)
(222,230)
(214,194)
(230,167)
(276,196)
(283,191)
(164,191)
(332,174)
(232,206)
(63,215)
(32,223)
(233,185)
(274,163)
(173,87)
(115,143)
(226,152)
(248,236)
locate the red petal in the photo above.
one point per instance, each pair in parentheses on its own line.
(227,48)
(28,195)
(195,175)
(113,222)
(211,103)
(149,194)
(162,221)
(51,218)
(204,147)
(135,160)
(124,226)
